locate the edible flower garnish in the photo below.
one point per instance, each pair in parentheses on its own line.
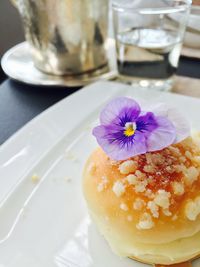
(126,131)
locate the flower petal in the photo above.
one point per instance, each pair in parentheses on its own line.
(179,121)
(117,108)
(181,124)
(147,123)
(163,136)
(154,130)
(115,150)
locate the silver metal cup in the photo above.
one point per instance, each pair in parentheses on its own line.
(66,37)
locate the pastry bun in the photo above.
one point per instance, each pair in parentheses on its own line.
(148,207)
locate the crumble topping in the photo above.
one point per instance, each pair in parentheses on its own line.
(35,178)
(140,175)
(145,222)
(124,207)
(118,188)
(161,178)
(192,209)
(166,212)
(132,179)
(138,204)
(191,175)
(148,193)
(127,167)
(162,199)
(175,151)
(151,205)
(178,188)
(149,169)
(102,185)
(140,186)
(158,182)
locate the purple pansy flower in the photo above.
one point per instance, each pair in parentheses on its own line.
(127,131)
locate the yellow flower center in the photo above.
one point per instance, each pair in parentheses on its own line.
(130,128)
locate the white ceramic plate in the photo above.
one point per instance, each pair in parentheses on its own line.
(45,223)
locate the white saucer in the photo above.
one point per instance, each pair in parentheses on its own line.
(18,65)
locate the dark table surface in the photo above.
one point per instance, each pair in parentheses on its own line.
(19,103)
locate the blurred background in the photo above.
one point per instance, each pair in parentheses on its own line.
(20,102)
(10,26)
(10,29)
(12,34)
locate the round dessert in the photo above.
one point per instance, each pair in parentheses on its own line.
(148,206)
(142,184)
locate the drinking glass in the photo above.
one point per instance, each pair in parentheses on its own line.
(149,36)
